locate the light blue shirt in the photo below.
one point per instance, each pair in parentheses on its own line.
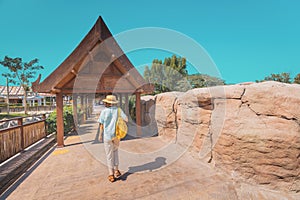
(108,118)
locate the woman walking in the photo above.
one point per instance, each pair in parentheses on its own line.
(107,120)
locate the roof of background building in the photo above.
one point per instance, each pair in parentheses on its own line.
(18,91)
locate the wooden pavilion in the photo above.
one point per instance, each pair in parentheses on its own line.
(96,66)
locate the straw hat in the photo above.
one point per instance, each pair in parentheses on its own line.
(110,99)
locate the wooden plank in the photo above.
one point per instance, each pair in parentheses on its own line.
(10,143)
(15,139)
(33,133)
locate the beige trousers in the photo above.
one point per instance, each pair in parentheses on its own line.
(112,155)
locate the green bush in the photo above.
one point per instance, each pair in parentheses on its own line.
(3,104)
(11,115)
(68,120)
(12,105)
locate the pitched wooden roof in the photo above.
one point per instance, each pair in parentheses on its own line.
(97,65)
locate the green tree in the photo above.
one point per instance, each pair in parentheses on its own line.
(169,75)
(147,74)
(297,79)
(282,77)
(20,73)
(204,80)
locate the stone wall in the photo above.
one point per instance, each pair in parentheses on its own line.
(249,130)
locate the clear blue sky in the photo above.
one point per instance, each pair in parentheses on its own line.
(247,40)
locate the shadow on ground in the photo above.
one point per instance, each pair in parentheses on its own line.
(151,166)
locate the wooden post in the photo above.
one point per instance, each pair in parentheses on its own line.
(82,109)
(126,105)
(20,123)
(86,102)
(120,97)
(89,105)
(138,114)
(75,111)
(59,120)
(45,126)
(85,108)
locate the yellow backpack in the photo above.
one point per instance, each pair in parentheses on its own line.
(121,126)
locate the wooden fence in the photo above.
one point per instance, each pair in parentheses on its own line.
(16,138)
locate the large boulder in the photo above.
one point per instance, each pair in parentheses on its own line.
(274,99)
(165,114)
(252,129)
(260,139)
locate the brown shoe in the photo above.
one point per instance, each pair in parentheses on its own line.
(111,178)
(117,173)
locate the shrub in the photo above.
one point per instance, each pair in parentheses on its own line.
(68,120)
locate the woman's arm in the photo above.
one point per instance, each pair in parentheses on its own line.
(100,132)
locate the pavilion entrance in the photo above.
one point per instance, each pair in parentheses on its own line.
(96,66)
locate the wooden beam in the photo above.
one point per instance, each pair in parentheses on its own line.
(90,91)
(55,90)
(74,72)
(20,123)
(98,75)
(138,114)
(59,120)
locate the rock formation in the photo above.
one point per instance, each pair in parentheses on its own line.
(251,131)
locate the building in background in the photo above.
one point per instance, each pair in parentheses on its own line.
(16,96)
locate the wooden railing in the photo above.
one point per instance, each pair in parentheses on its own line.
(16,138)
